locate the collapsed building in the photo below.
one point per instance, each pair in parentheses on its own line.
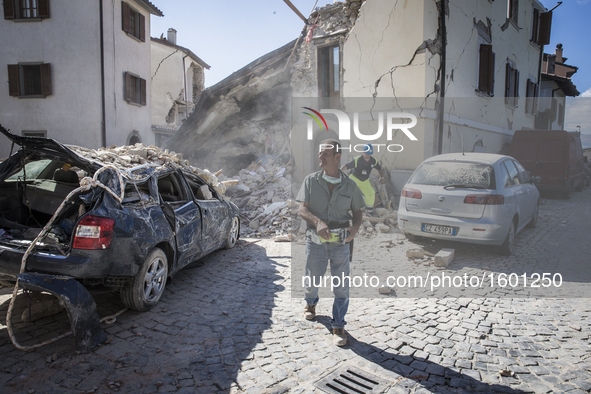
(454,68)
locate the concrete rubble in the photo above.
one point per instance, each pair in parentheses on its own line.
(130,156)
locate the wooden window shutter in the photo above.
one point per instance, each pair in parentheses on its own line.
(46,79)
(125,16)
(14,86)
(9,9)
(43,6)
(127,86)
(535,26)
(142,27)
(545,25)
(516,83)
(507,82)
(142,91)
(484,71)
(492,75)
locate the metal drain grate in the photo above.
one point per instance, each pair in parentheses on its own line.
(351,380)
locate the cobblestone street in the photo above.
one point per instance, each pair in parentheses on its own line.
(229,324)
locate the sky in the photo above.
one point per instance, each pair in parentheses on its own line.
(229,34)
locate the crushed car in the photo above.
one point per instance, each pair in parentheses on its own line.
(143,218)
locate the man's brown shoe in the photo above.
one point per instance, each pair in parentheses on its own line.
(339,336)
(310,312)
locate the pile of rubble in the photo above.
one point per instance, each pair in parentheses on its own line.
(262,191)
(130,156)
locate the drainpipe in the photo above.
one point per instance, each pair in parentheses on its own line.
(103,105)
(185,88)
(442,88)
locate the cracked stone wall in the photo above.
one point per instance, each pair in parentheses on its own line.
(394,51)
(168,84)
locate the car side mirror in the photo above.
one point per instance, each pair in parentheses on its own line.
(536,179)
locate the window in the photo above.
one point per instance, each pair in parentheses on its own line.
(486,70)
(135,89)
(133,23)
(531,93)
(505,176)
(523,174)
(512,10)
(511,85)
(329,72)
(513,173)
(560,117)
(26,9)
(29,79)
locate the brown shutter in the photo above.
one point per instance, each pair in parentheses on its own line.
(9,9)
(507,82)
(142,91)
(46,79)
(142,27)
(484,68)
(528,97)
(127,86)
(14,86)
(43,8)
(545,25)
(492,75)
(125,16)
(535,25)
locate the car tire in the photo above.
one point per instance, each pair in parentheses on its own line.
(233,233)
(534,221)
(507,247)
(579,188)
(148,285)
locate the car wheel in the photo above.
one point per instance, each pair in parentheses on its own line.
(579,188)
(534,221)
(148,285)
(233,233)
(507,247)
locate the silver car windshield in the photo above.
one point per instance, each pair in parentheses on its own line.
(454,174)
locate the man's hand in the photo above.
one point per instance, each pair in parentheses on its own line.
(323,230)
(352,231)
(382,180)
(357,219)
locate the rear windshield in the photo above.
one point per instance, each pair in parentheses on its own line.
(445,173)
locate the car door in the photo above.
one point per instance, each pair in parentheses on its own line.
(214,213)
(184,215)
(530,191)
(518,192)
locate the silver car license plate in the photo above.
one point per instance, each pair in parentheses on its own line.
(446,230)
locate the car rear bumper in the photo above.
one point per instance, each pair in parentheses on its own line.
(481,231)
(76,265)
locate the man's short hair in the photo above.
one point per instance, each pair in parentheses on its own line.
(336,145)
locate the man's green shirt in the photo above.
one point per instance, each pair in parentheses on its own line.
(346,197)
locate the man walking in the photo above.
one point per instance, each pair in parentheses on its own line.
(362,166)
(329,199)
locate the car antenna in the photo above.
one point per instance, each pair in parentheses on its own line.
(462,139)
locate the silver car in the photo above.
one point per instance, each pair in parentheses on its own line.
(478,198)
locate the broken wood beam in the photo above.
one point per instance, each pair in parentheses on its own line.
(298,13)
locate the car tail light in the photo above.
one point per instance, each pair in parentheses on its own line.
(411,193)
(94,232)
(488,199)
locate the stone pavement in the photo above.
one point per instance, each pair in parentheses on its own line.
(229,324)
